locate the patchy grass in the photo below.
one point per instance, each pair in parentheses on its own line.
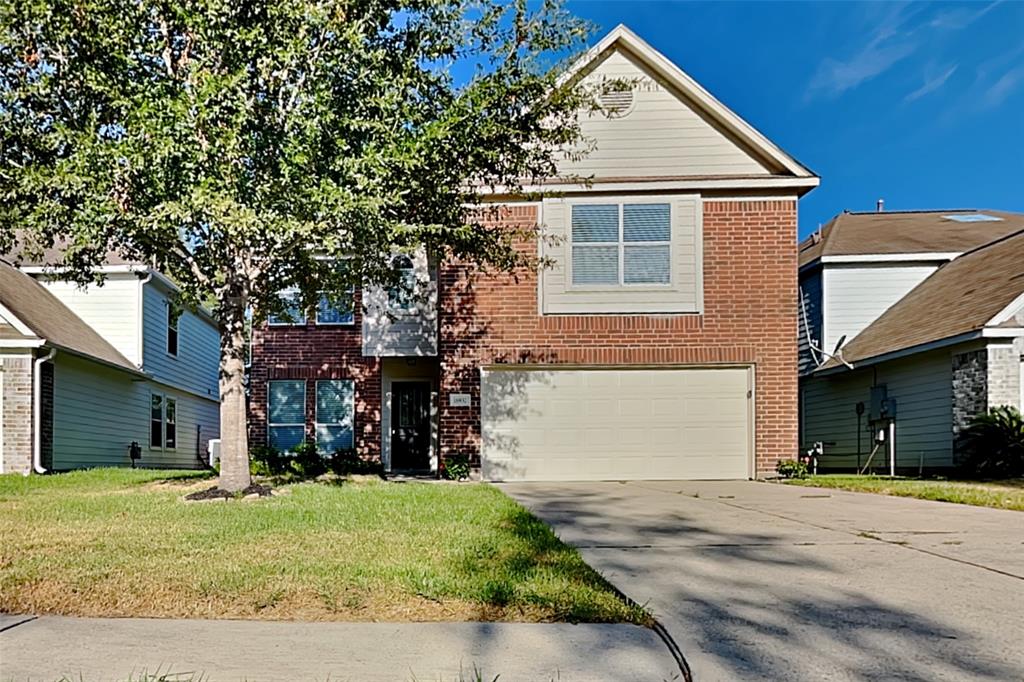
(122,542)
(998,494)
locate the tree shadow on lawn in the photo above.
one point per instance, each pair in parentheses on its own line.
(764,603)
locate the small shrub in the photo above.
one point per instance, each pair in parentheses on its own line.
(456,467)
(791,468)
(348,462)
(266,461)
(306,461)
(994,444)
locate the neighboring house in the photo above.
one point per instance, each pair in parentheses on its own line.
(659,344)
(88,372)
(928,308)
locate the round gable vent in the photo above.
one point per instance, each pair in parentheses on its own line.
(617,103)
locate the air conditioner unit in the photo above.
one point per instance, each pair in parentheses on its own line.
(213,451)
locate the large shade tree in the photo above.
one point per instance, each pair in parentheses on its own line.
(244,147)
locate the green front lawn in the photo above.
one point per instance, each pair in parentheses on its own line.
(999,494)
(121,542)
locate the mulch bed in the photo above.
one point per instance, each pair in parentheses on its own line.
(216,493)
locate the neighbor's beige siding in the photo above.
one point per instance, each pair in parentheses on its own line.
(661,136)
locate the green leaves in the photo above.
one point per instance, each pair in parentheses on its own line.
(234,143)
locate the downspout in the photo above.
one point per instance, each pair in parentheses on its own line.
(37,419)
(143,281)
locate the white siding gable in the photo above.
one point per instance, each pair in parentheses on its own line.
(196,366)
(413,332)
(661,135)
(855,296)
(112,309)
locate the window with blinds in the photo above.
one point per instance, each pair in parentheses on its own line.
(621,244)
(335,407)
(286,413)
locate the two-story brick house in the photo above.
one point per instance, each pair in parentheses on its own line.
(658,342)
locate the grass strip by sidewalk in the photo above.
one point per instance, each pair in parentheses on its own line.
(997,494)
(121,542)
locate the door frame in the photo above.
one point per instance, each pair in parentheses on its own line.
(385,431)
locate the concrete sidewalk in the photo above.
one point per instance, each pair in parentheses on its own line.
(50,648)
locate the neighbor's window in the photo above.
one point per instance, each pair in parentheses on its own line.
(170,423)
(335,408)
(286,413)
(621,244)
(293,313)
(173,316)
(402,295)
(156,421)
(339,313)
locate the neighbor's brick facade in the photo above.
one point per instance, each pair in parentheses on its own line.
(17,414)
(749,318)
(750,285)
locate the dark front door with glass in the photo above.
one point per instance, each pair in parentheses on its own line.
(410,425)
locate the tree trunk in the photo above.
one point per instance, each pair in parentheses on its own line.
(234,440)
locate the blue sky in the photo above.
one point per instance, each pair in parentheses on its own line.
(919,104)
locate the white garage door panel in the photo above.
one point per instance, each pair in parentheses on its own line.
(615,424)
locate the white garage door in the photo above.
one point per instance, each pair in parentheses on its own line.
(547,424)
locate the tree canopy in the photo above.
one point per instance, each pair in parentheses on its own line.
(243,147)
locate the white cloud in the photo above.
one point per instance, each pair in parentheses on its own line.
(997,93)
(931,84)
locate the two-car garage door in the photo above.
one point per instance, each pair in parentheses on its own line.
(548,424)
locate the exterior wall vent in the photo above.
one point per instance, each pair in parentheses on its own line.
(617,102)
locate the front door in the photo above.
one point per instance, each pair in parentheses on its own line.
(410,425)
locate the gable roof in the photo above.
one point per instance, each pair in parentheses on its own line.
(622,36)
(41,313)
(966,295)
(907,232)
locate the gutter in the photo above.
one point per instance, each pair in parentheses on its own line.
(141,303)
(37,421)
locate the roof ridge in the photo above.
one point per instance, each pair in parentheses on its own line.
(919,210)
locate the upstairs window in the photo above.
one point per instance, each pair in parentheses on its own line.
(286,413)
(402,295)
(621,244)
(173,317)
(341,313)
(293,313)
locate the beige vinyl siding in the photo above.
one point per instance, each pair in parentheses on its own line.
(922,387)
(402,333)
(683,295)
(111,309)
(661,135)
(98,411)
(856,295)
(809,317)
(196,366)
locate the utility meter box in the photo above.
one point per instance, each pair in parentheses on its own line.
(878,398)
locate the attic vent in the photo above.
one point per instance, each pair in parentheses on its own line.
(973,218)
(617,102)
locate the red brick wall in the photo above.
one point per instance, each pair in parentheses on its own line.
(750,264)
(312,352)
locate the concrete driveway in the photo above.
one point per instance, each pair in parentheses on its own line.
(764,581)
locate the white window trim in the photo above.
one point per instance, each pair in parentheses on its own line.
(163,447)
(270,424)
(621,244)
(316,415)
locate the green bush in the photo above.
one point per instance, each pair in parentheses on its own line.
(456,467)
(266,461)
(306,461)
(994,444)
(791,468)
(347,462)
